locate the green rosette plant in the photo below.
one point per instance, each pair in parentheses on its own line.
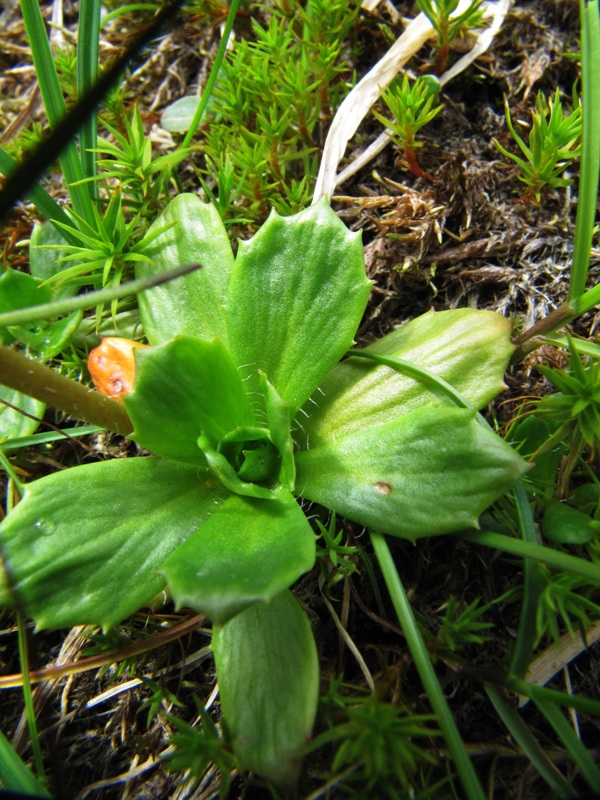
(247,406)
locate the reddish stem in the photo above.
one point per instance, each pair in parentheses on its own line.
(442,60)
(414,166)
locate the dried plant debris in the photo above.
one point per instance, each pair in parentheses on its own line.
(469,224)
(465,238)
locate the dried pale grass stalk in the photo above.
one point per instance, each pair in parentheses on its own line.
(366,93)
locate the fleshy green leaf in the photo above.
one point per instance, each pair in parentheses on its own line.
(183,389)
(251,550)
(586,498)
(178,116)
(59,334)
(12,423)
(86,545)
(428,472)
(49,339)
(468,348)
(297,294)
(567,525)
(19,290)
(193,304)
(227,474)
(44,263)
(268,674)
(528,436)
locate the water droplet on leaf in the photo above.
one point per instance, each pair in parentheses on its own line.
(45,526)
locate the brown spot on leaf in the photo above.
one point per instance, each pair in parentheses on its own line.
(383,488)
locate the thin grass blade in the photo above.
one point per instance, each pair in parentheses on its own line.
(577,750)
(462,762)
(15,776)
(545,555)
(590,156)
(88,38)
(54,104)
(532,580)
(529,744)
(21,181)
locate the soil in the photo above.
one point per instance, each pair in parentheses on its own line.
(465,239)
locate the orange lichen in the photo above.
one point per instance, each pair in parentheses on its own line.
(112,366)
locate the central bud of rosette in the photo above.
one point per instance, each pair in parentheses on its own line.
(190,404)
(247,462)
(252,454)
(255,461)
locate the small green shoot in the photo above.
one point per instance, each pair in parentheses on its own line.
(104,253)
(337,559)
(554,141)
(159,695)
(272,97)
(129,160)
(377,745)
(576,406)
(462,626)
(575,409)
(569,599)
(448,27)
(108,642)
(413,105)
(565,602)
(195,750)
(25,143)
(65,61)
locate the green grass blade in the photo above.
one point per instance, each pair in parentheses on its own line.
(586,301)
(590,154)
(582,345)
(545,555)
(412,370)
(577,750)
(15,776)
(27,173)
(464,766)
(212,78)
(524,644)
(48,437)
(54,104)
(28,697)
(541,693)
(88,38)
(529,744)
